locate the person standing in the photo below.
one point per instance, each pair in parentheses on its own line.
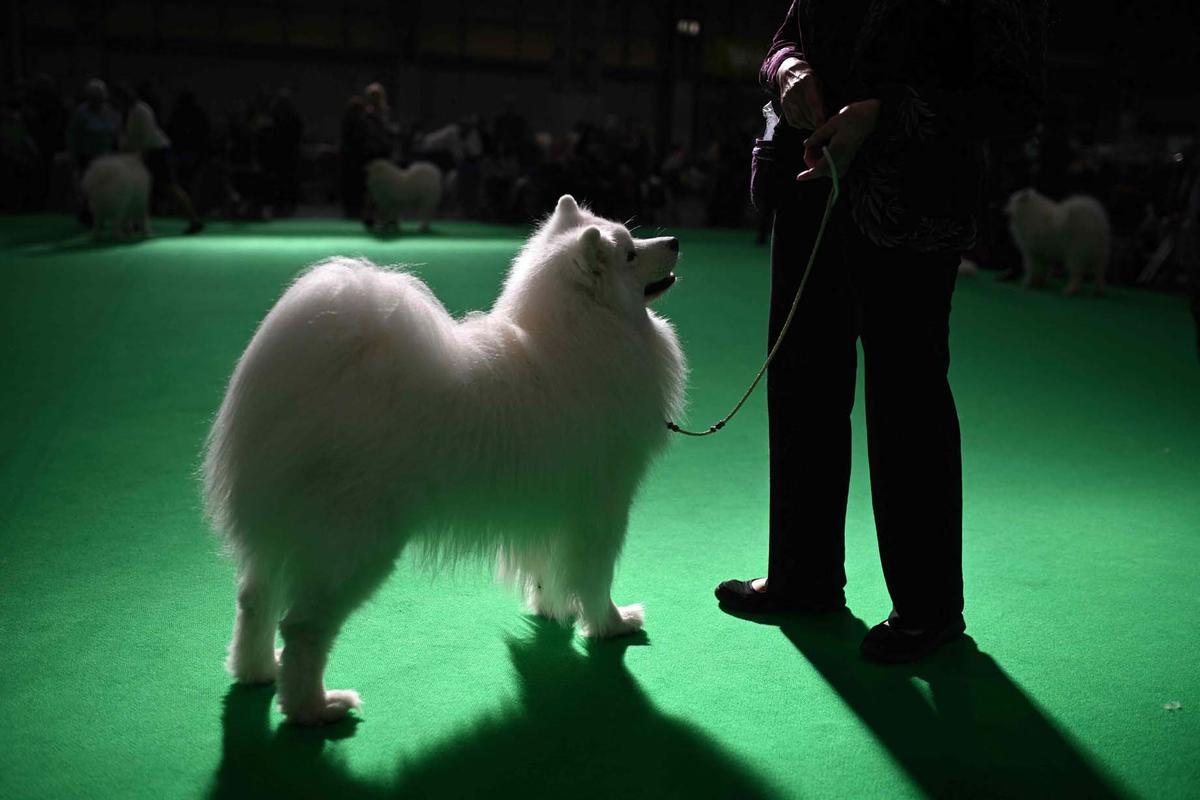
(190,133)
(353,157)
(902,94)
(94,126)
(93,129)
(143,135)
(282,154)
(1189,235)
(379,137)
(47,118)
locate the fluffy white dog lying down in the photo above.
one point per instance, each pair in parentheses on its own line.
(1073,233)
(117,188)
(397,192)
(363,418)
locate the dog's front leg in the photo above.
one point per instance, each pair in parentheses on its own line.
(591,570)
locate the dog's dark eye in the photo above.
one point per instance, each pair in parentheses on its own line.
(632,255)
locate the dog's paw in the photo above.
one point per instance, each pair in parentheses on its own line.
(621,621)
(632,615)
(335,707)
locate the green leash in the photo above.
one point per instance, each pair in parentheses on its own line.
(834,191)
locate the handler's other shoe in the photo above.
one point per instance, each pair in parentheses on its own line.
(891,643)
(742,597)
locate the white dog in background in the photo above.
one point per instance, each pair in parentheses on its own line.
(1074,233)
(363,418)
(396,192)
(117,188)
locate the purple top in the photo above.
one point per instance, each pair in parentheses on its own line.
(949,74)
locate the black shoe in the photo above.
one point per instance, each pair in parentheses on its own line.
(890,643)
(195,227)
(742,597)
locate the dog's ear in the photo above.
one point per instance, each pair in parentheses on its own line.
(590,251)
(566,208)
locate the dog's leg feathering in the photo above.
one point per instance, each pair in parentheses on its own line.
(320,605)
(303,699)
(591,578)
(252,656)
(544,594)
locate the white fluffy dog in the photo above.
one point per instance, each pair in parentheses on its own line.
(117,188)
(396,192)
(1073,233)
(362,418)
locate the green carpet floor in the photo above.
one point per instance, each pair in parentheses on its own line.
(1081,438)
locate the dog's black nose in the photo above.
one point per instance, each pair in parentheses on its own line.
(673,244)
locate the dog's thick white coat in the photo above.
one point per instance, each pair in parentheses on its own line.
(363,418)
(117,188)
(397,192)
(1074,233)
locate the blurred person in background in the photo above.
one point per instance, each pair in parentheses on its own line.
(18,159)
(379,137)
(353,152)
(247,151)
(1189,231)
(381,130)
(93,130)
(281,155)
(191,137)
(46,117)
(141,134)
(510,130)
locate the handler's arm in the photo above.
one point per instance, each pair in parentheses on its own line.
(786,75)
(786,45)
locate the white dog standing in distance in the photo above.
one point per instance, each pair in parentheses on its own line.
(1073,233)
(363,418)
(397,192)
(117,188)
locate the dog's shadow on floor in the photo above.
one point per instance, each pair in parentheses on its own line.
(969,732)
(582,728)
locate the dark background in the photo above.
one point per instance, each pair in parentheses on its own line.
(645,108)
(558,59)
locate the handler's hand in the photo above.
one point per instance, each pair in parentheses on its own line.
(843,135)
(800,95)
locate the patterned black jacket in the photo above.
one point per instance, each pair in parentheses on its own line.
(949,75)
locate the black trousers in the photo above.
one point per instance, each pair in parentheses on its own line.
(898,304)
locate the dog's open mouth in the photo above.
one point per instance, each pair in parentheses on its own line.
(658,288)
